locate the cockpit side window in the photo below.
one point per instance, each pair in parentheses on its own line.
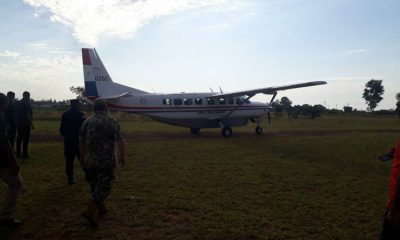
(210,101)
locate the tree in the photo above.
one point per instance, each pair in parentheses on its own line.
(295,111)
(373,93)
(278,108)
(79,91)
(286,104)
(347,109)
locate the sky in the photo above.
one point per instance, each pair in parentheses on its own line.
(168,46)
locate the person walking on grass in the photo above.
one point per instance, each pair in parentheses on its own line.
(24,122)
(391,224)
(97,139)
(70,125)
(9,171)
(10,116)
(398,105)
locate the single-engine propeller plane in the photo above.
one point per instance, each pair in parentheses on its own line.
(191,110)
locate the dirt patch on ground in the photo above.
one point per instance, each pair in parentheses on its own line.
(155,136)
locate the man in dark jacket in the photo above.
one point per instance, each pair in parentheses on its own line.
(23,120)
(71,122)
(10,112)
(9,171)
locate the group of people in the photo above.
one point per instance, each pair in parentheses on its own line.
(19,118)
(91,140)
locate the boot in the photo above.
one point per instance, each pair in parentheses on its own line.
(101,208)
(89,214)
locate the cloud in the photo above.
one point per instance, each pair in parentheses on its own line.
(353,51)
(7,53)
(90,19)
(37,45)
(48,77)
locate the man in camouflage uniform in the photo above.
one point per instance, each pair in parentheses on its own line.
(97,139)
(70,125)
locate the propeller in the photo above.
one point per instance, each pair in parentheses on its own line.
(269,113)
(269,117)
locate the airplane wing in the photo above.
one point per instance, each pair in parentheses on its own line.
(268,90)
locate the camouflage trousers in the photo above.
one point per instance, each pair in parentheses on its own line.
(101,181)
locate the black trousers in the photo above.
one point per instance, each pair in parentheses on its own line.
(24,133)
(71,150)
(12,132)
(389,232)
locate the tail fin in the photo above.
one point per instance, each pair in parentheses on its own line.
(98,82)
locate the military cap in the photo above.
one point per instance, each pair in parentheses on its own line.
(100,105)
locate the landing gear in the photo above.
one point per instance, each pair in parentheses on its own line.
(195,131)
(259,130)
(226,132)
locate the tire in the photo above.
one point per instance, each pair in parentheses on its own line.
(226,132)
(259,130)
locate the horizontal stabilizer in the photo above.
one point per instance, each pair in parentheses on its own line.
(115,96)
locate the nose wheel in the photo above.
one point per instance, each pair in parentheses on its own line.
(259,130)
(226,132)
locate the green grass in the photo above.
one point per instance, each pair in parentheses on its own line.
(308,179)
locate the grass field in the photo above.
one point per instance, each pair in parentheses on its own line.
(302,179)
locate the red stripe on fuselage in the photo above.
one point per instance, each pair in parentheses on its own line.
(184,108)
(86,57)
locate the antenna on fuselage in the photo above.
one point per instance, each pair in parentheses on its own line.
(220,90)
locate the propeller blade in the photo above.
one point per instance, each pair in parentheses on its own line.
(273,98)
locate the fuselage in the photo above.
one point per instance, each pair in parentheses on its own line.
(194,110)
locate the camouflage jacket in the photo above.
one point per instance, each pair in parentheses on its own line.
(99,133)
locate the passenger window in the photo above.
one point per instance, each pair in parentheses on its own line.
(230,101)
(166,101)
(177,101)
(222,101)
(239,100)
(187,101)
(198,101)
(210,101)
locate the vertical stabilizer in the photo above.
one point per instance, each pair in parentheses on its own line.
(98,82)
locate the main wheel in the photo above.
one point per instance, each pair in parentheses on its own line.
(259,130)
(195,131)
(226,132)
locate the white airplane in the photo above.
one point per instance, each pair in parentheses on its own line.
(191,110)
